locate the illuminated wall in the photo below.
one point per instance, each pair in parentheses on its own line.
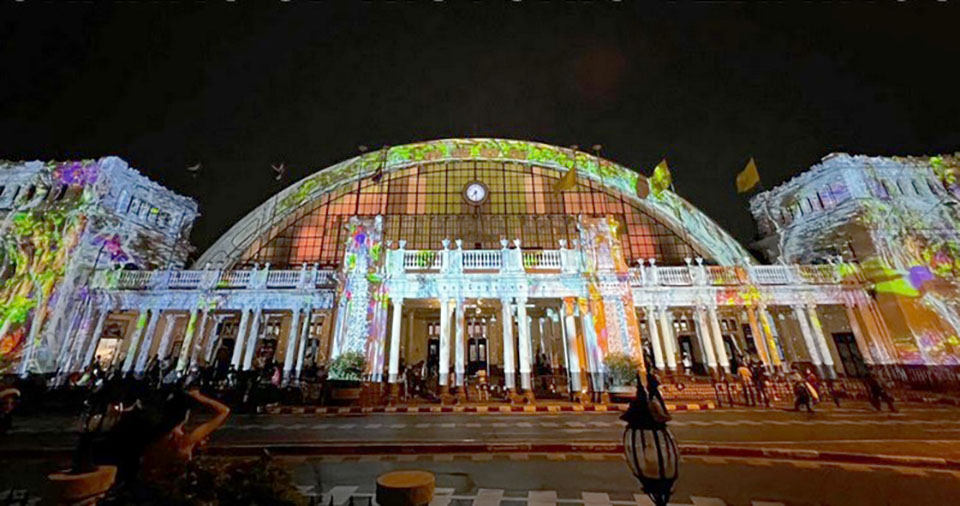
(57,221)
(896,216)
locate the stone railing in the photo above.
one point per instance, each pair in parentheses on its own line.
(697,274)
(263,278)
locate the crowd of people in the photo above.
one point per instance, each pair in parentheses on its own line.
(806,385)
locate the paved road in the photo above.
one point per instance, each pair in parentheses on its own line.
(520,479)
(592,480)
(924,431)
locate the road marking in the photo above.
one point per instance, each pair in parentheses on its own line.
(595,498)
(757,462)
(542,498)
(397,425)
(372,426)
(802,464)
(473,425)
(519,456)
(340,494)
(488,497)
(713,460)
(448,425)
(910,471)
(556,456)
(706,501)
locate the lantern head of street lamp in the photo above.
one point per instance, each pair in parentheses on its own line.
(650,449)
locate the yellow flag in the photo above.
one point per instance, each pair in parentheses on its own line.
(568,181)
(749,178)
(661,179)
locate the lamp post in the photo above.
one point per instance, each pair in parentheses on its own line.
(649,447)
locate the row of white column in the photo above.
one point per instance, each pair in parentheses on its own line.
(452,314)
(199,340)
(710,336)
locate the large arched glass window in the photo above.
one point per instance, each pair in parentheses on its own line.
(424,204)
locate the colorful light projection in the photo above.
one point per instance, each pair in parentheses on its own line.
(615,330)
(38,240)
(914,268)
(364,300)
(673,210)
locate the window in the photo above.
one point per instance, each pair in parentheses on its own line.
(424,204)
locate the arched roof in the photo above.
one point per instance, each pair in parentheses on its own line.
(668,207)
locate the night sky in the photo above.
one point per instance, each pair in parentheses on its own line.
(240,86)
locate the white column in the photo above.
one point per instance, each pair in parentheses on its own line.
(293,334)
(669,342)
(148,341)
(131,354)
(443,369)
(722,359)
(509,369)
(654,337)
(766,326)
(807,337)
(213,341)
(523,336)
(703,333)
(821,340)
(304,337)
(95,338)
(573,352)
(76,334)
(460,365)
(240,339)
(185,347)
(393,368)
(250,348)
(165,340)
(590,348)
(201,335)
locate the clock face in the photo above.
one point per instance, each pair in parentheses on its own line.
(475,192)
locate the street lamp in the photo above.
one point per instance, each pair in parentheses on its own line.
(650,448)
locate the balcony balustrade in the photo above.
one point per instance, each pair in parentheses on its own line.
(456,261)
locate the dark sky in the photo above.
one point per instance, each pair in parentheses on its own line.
(239,86)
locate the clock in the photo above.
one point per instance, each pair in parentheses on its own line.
(475,193)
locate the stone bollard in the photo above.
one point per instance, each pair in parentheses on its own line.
(405,488)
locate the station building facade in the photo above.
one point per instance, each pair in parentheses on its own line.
(897,217)
(458,256)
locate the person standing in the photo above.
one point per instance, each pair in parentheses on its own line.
(746,378)
(877,393)
(801,392)
(760,382)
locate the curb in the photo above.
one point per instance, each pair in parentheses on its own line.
(943,401)
(598,447)
(413,448)
(358,410)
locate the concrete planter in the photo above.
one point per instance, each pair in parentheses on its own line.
(82,489)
